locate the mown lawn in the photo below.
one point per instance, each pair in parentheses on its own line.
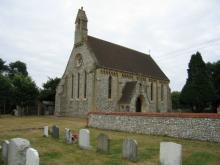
(56,152)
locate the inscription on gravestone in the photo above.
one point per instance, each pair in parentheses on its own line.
(103,143)
(130,149)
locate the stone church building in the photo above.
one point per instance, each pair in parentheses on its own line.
(105,77)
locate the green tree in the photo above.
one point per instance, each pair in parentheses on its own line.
(17,68)
(49,89)
(5,91)
(3,67)
(198,91)
(16,87)
(25,91)
(214,72)
(175,96)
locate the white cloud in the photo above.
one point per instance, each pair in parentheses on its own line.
(41,33)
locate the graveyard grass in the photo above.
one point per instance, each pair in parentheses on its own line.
(56,152)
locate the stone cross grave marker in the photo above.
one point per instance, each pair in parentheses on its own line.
(46,129)
(55,132)
(130,149)
(17,151)
(5,145)
(170,153)
(68,136)
(103,143)
(84,139)
(32,157)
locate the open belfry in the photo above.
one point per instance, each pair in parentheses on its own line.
(101,76)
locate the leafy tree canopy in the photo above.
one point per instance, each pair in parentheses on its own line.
(16,87)
(214,72)
(198,90)
(17,68)
(5,89)
(175,96)
(3,67)
(49,89)
(25,90)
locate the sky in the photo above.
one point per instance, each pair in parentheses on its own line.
(41,32)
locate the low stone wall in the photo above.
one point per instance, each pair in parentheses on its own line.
(204,127)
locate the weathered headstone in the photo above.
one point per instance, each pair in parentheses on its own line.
(130,149)
(84,139)
(15,112)
(17,151)
(55,131)
(103,143)
(5,146)
(32,157)
(68,136)
(170,153)
(46,129)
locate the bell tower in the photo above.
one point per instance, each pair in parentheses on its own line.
(81,30)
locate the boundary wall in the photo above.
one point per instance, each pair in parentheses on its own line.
(197,126)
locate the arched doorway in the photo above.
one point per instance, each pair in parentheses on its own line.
(139,103)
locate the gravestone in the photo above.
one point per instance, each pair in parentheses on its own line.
(84,139)
(130,149)
(103,143)
(46,129)
(68,136)
(5,146)
(17,151)
(170,153)
(32,157)
(55,132)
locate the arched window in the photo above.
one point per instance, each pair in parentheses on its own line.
(78,85)
(72,86)
(162,92)
(65,86)
(151,91)
(110,87)
(85,84)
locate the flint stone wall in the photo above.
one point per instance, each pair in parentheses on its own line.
(205,127)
